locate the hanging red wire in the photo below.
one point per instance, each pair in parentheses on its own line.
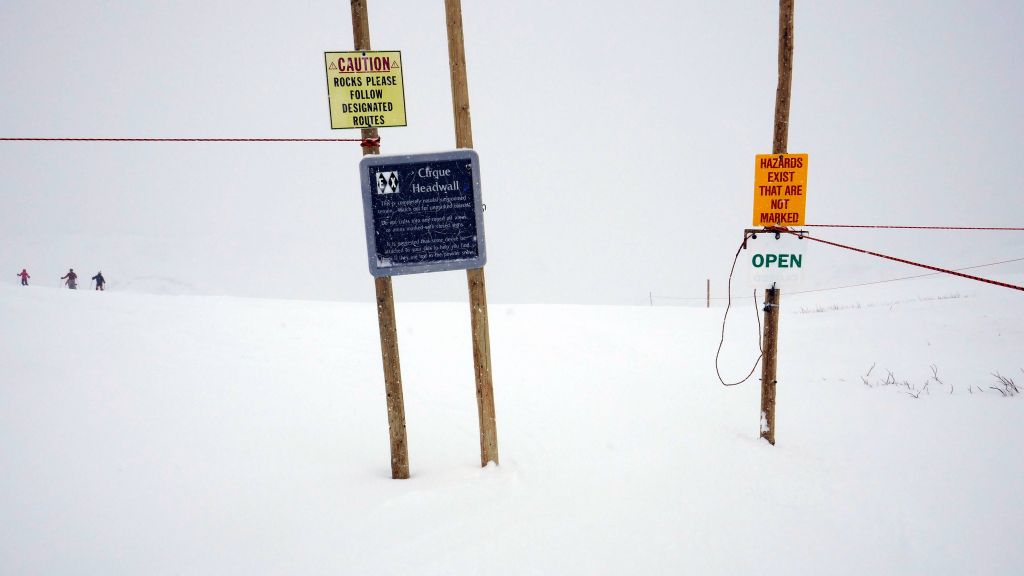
(914,227)
(364,142)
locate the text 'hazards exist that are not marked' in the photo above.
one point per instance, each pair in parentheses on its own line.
(780,189)
(365,89)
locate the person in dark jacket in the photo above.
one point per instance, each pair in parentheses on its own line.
(72,279)
(98,279)
(24,277)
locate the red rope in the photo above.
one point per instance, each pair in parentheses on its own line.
(913,227)
(364,142)
(901,260)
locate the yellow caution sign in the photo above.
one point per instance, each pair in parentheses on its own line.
(780,189)
(365,89)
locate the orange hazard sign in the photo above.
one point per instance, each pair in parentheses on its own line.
(780,189)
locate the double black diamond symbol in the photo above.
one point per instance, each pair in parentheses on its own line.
(387,182)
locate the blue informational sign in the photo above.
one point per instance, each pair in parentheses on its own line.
(423,212)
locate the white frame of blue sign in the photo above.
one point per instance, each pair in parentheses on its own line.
(368,188)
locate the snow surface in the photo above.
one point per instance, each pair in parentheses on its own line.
(187,434)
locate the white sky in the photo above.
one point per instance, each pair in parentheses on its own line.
(616,145)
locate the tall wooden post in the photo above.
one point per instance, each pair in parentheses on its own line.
(475,276)
(385,300)
(769,362)
(709,293)
(780,139)
(773,296)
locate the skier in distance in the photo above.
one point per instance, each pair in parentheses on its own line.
(72,279)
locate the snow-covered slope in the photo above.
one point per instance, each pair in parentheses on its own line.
(149,434)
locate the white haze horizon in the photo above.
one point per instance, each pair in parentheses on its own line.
(616,147)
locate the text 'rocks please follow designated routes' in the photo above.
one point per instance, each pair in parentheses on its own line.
(365,89)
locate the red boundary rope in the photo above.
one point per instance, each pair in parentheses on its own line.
(913,227)
(364,142)
(901,260)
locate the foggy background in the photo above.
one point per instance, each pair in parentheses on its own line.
(616,145)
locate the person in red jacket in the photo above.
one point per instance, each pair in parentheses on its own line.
(72,279)
(24,277)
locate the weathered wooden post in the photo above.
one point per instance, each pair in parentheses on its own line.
(385,298)
(768,363)
(474,276)
(773,296)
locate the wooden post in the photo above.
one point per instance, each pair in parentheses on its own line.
(385,300)
(474,277)
(768,363)
(773,296)
(780,139)
(709,293)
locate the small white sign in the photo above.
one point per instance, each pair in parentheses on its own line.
(387,182)
(775,259)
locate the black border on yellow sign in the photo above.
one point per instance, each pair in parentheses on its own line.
(327,78)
